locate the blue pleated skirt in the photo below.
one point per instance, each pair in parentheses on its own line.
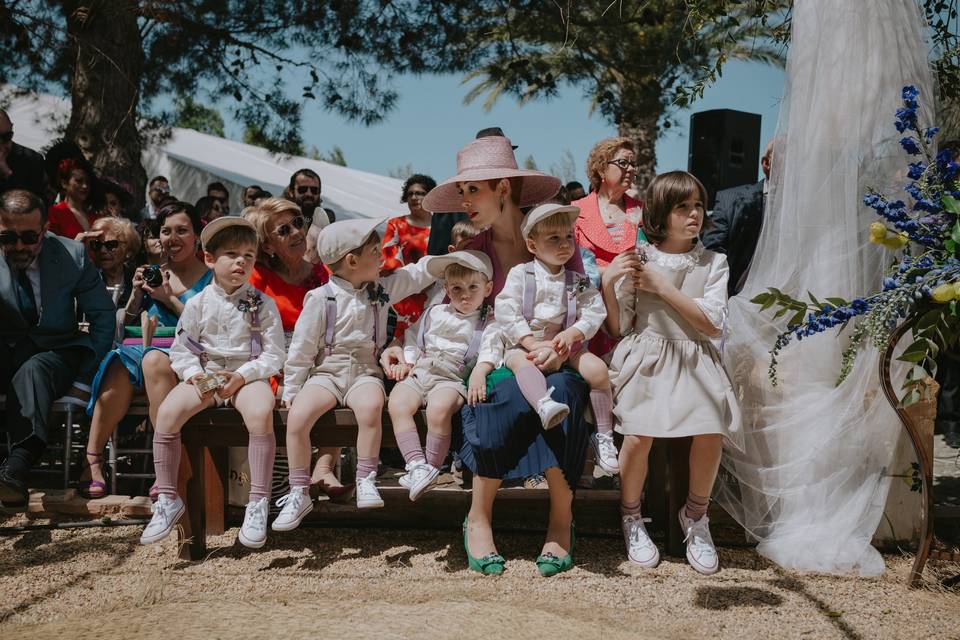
(503,437)
(131,357)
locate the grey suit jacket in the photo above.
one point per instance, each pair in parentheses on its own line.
(737,220)
(70,286)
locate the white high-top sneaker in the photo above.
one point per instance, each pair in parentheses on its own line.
(167,512)
(701,552)
(421,476)
(640,548)
(296,505)
(367,495)
(550,411)
(605,452)
(253,532)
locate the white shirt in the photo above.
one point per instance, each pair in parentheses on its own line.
(213,319)
(354,328)
(449,334)
(550,304)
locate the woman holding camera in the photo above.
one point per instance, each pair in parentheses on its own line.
(141,363)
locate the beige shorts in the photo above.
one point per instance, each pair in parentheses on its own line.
(340,374)
(432,374)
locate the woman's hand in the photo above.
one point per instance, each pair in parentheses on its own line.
(624,264)
(391,356)
(163,293)
(83,236)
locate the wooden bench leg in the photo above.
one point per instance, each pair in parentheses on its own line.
(215,472)
(655,489)
(678,483)
(190,485)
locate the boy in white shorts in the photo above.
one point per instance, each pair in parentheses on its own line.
(451,338)
(229,344)
(332,359)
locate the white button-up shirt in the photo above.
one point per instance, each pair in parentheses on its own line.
(354,329)
(213,318)
(449,333)
(550,304)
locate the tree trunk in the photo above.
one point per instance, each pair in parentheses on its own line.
(643,130)
(105,88)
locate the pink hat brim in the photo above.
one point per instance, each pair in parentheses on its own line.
(537,187)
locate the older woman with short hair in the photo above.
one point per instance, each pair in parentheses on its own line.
(283,273)
(114,249)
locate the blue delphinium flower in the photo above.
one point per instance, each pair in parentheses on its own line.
(916,170)
(909,94)
(929,132)
(910,145)
(860,305)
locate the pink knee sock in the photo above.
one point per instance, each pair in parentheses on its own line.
(166,462)
(696,506)
(260,453)
(532,384)
(409,443)
(437,448)
(630,508)
(601,401)
(366,465)
(299,478)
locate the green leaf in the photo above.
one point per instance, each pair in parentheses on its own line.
(955,232)
(950,246)
(814,300)
(761,298)
(837,302)
(950,204)
(781,312)
(798,317)
(929,319)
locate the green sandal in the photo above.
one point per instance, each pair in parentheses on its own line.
(550,565)
(489,565)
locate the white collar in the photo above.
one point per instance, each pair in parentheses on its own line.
(541,266)
(675,261)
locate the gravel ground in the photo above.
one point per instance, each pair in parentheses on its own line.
(348,583)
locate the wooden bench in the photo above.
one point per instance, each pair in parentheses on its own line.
(203,473)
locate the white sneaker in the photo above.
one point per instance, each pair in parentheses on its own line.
(367,495)
(420,477)
(167,512)
(605,452)
(253,532)
(701,553)
(296,505)
(640,548)
(550,411)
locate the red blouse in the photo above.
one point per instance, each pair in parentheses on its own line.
(64,223)
(404,243)
(592,233)
(289,297)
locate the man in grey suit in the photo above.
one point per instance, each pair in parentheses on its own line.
(46,283)
(737,220)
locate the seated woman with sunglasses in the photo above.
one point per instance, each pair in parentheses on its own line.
(135,366)
(283,273)
(114,250)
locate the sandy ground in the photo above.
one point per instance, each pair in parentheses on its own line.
(348,583)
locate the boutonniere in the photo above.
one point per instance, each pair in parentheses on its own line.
(249,304)
(377,295)
(484,312)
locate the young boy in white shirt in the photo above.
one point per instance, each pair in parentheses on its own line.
(450,338)
(332,359)
(229,344)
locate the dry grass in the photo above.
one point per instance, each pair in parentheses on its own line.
(346,583)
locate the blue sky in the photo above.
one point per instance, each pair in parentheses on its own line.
(430,122)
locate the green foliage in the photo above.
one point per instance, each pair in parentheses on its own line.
(193,115)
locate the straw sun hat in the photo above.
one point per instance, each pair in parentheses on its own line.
(490,158)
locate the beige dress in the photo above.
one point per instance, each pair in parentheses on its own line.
(668,381)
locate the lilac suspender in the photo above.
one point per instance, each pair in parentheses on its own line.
(330,311)
(249,305)
(472,349)
(530,293)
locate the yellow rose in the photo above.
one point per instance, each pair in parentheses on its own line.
(878,232)
(956,289)
(896,242)
(945,292)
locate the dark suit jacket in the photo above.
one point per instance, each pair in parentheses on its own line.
(28,171)
(70,286)
(441,232)
(737,219)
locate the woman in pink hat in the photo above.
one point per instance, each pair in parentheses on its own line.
(503,438)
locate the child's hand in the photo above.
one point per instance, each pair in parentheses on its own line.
(477,391)
(623,264)
(564,341)
(234,383)
(399,371)
(649,280)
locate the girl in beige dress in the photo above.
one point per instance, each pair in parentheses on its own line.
(666,302)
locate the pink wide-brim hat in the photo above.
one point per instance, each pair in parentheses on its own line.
(490,158)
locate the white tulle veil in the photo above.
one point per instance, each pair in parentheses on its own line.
(811,483)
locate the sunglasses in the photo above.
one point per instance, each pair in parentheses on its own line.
(285,229)
(623,164)
(302,190)
(6,136)
(9,238)
(109,245)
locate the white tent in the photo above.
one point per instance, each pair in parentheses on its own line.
(191,160)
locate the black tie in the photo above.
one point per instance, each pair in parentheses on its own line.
(28,304)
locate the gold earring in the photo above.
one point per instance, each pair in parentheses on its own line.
(501,203)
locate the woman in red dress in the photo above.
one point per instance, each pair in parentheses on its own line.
(405,242)
(72,217)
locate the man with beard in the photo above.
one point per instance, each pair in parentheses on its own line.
(46,284)
(304,189)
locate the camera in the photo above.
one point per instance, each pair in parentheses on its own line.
(152,275)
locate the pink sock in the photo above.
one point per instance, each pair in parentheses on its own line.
(437,448)
(630,508)
(696,506)
(166,462)
(366,465)
(601,401)
(532,384)
(260,453)
(299,478)
(409,443)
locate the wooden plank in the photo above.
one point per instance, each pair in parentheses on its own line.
(193,530)
(216,469)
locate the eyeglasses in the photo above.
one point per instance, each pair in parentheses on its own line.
(160,190)
(109,245)
(9,238)
(416,194)
(303,190)
(623,164)
(285,229)
(6,136)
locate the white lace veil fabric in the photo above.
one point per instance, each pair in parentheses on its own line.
(811,483)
